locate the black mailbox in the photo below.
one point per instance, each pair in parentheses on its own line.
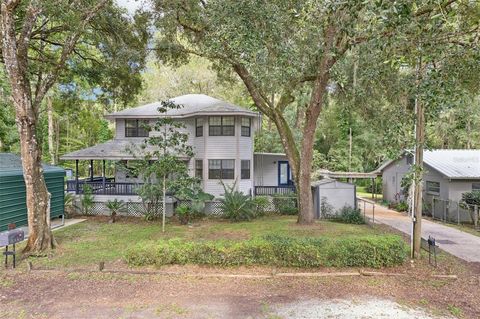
(11,237)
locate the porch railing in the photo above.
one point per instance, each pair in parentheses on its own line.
(272,190)
(100,187)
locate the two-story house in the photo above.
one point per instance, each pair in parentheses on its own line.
(222,137)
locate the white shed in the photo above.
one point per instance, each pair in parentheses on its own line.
(330,196)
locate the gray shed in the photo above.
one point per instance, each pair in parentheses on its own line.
(330,196)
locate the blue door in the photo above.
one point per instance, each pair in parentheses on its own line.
(284,174)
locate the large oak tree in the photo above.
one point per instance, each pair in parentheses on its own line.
(279,47)
(41,41)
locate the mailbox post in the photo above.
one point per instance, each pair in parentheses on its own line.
(11,237)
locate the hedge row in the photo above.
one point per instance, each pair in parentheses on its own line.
(364,251)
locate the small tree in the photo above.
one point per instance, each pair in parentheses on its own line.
(115,206)
(162,162)
(87,199)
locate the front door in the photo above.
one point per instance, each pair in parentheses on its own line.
(284,174)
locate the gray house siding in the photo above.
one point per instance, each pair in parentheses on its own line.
(207,147)
(449,189)
(392,177)
(266,168)
(458,187)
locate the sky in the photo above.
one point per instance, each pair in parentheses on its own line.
(131,5)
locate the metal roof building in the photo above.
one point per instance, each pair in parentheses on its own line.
(13,207)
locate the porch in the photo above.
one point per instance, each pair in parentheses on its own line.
(102,186)
(273,190)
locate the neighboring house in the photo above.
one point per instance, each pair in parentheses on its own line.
(222,137)
(447,174)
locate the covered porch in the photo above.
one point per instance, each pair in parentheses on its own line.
(112,151)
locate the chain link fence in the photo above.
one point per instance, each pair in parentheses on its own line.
(452,212)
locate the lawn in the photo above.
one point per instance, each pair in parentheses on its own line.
(361,192)
(96,240)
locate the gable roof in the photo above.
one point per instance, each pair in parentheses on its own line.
(192,104)
(453,164)
(11,164)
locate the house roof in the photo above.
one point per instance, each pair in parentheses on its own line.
(327,180)
(116,149)
(11,164)
(192,104)
(453,164)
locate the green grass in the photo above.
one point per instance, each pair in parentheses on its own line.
(92,241)
(361,192)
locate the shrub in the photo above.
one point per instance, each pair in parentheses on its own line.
(184,214)
(261,205)
(235,205)
(274,250)
(351,215)
(285,205)
(401,206)
(468,202)
(471,198)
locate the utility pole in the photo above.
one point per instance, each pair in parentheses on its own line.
(418,167)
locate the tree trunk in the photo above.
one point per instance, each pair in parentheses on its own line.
(40,236)
(51,132)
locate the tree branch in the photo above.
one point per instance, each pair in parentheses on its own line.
(68,48)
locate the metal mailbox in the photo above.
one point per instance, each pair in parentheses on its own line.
(11,237)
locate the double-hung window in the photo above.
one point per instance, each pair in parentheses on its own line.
(245,169)
(476,187)
(199,169)
(136,128)
(433,188)
(221,126)
(246,126)
(198,127)
(221,169)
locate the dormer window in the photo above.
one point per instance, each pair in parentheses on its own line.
(221,126)
(246,126)
(136,128)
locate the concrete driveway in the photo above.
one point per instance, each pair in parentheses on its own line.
(458,243)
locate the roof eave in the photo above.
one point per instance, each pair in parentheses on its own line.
(155,116)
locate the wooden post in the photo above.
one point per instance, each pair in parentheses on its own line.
(418,176)
(433,207)
(91,170)
(373,189)
(103,175)
(458,214)
(475,221)
(76,176)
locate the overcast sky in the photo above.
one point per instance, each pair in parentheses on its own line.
(131,5)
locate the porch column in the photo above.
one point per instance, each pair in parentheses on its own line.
(91,170)
(103,175)
(76,176)
(373,189)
